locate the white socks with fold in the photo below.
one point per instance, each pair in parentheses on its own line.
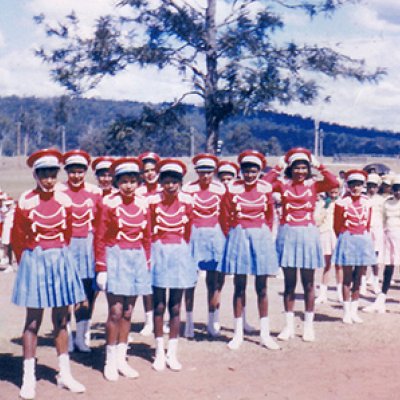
(65,378)
(171,359)
(308,331)
(339,292)
(265,335)
(110,366)
(189,325)
(322,295)
(237,339)
(211,325)
(123,367)
(354,312)
(288,331)
(148,324)
(28,388)
(159,360)
(217,325)
(82,328)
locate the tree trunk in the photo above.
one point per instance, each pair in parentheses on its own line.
(210,106)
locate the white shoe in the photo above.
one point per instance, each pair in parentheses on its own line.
(173,363)
(235,343)
(376,286)
(354,313)
(147,329)
(379,305)
(28,389)
(286,334)
(212,332)
(111,372)
(68,382)
(347,318)
(126,370)
(268,342)
(309,333)
(110,366)
(323,294)
(8,270)
(159,362)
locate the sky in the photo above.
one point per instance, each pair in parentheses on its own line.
(369,30)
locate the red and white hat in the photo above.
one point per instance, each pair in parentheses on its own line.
(252,157)
(228,167)
(149,156)
(78,157)
(297,154)
(356,175)
(46,158)
(205,162)
(103,162)
(126,165)
(374,178)
(172,165)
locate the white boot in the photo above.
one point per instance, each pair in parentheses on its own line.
(288,330)
(322,295)
(375,284)
(265,335)
(148,327)
(378,305)
(88,334)
(28,388)
(123,367)
(237,339)
(65,378)
(81,329)
(159,361)
(246,326)
(308,329)
(217,325)
(171,359)
(110,365)
(363,286)
(354,312)
(339,292)
(347,318)
(71,345)
(210,325)
(189,325)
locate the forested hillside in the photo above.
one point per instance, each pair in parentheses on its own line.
(123,127)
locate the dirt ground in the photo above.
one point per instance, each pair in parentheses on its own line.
(345,362)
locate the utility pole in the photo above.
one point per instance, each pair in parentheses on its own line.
(316,137)
(63,138)
(18,138)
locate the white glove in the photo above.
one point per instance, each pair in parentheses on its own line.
(314,162)
(282,163)
(101,280)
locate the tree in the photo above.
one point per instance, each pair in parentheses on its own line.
(233,64)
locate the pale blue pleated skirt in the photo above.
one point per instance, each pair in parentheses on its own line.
(172,266)
(47,278)
(83,252)
(127,272)
(207,246)
(299,247)
(250,251)
(354,250)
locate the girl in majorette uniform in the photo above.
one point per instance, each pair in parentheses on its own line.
(391,218)
(150,186)
(376,200)
(85,202)
(122,244)
(207,241)
(247,214)
(172,266)
(354,249)
(47,276)
(298,243)
(101,168)
(226,172)
(324,221)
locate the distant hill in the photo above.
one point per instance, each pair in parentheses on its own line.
(87,122)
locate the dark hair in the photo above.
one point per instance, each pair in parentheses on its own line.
(69,166)
(101,171)
(39,171)
(170,174)
(249,165)
(289,169)
(395,187)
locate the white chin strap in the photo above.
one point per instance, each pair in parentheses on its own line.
(154,180)
(42,188)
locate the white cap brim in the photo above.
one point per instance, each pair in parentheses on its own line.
(251,160)
(76,159)
(103,165)
(298,157)
(356,176)
(126,168)
(172,167)
(205,163)
(227,169)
